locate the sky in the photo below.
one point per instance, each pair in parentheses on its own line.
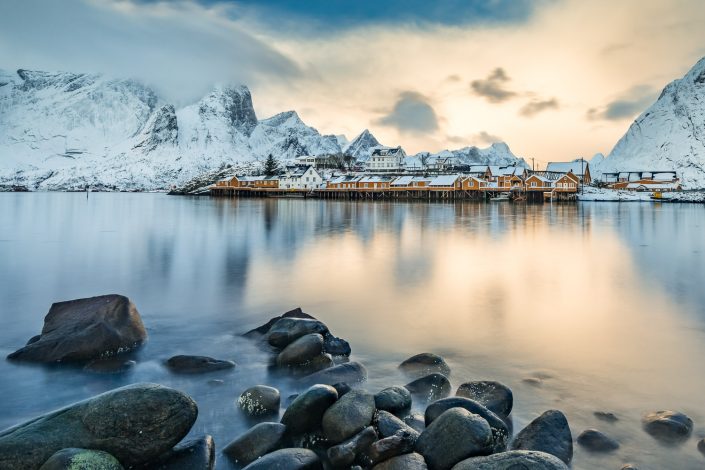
(554,79)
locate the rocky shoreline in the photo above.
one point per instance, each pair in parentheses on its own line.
(334,422)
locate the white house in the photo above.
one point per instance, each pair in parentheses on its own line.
(301,177)
(389,159)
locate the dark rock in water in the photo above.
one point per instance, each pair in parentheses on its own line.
(336,346)
(595,441)
(287,459)
(411,461)
(34,339)
(500,431)
(86,329)
(287,330)
(320,362)
(416,421)
(606,416)
(301,350)
(701,446)
(259,440)
(197,364)
(195,454)
(424,364)
(260,400)
(350,372)
(306,412)
(454,436)
(348,416)
(110,365)
(354,449)
(430,387)
(263,329)
(629,466)
(388,425)
(78,459)
(494,396)
(668,426)
(393,399)
(513,460)
(398,444)
(533,381)
(136,424)
(342,388)
(548,433)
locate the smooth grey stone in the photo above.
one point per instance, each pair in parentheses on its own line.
(85,329)
(305,413)
(287,330)
(606,416)
(336,346)
(701,446)
(136,424)
(301,350)
(548,433)
(494,396)
(454,436)
(184,364)
(195,454)
(348,416)
(500,431)
(393,399)
(350,373)
(668,426)
(342,388)
(257,441)
(263,329)
(595,441)
(513,460)
(402,442)
(287,459)
(430,387)
(411,461)
(388,425)
(354,449)
(260,400)
(629,466)
(424,364)
(318,363)
(416,421)
(79,459)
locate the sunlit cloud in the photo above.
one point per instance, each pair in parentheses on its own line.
(494,87)
(536,106)
(411,113)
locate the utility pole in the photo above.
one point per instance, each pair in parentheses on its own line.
(582,176)
(533,164)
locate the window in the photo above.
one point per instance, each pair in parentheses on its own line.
(533,184)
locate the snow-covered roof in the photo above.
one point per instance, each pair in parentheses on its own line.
(478,168)
(403,181)
(653,185)
(422,178)
(375,179)
(576,166)
(444,180)
(541,178)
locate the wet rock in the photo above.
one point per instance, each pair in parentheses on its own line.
(400,443)
(411,461)
(195,454)
(388,425)
(393,399)
(342,388)
(136,424)
(701,446)
(306,411)
(430,387)
(354,449)
(301,350)
(350,372)
(86,329)
(629,466)
(287,459)
(513,460)
(454,436)
(606,416)
(287,330)
(260,400)
(424,364)
(500,431)
(668,426)
(183,364)
(533,381)
(263,329)
(416,421)
(495,396)
(320,362)
(257,441)
(548,433)
(595,441)
(79,459)
(110,365)
(348,416)
(336,346)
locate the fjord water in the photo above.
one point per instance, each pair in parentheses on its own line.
(600,305)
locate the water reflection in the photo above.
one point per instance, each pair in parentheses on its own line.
(603,302)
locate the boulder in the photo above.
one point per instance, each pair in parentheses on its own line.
(595,441)
(85,329)
(395,399)
(494,396)
(320,362)
(354,449)
(513,460)
(416,421)
(263,329)
(287,330)
(398,444)
(430,387)
(629,466)
(260,400)
(500,431)
(424,364)
(342,388)
(287,459)
(305,413)
(388,425)
(548,433)
(136,424)
(606,416)
(411,461)
(80,459)
(257,441)
(701,446)
(348,416)
(194,454)
(454,436)
(183,364)
(668,426)
(350,373)
(336,346)
(301,350)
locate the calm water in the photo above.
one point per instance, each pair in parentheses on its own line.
(604,302)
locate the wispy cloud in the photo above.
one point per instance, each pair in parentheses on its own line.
(493,88)
(411,113)
(536,106)
(626,106)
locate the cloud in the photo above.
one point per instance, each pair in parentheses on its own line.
(411,113)
(493,87)
(534,107)
(481,138)
(487,138)
(626,106)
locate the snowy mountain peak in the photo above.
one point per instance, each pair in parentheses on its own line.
(287,118)
(233,103)
(361,146)
(161,129)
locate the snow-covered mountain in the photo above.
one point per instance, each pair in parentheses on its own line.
(361,146)
(670,135)
(496,154)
